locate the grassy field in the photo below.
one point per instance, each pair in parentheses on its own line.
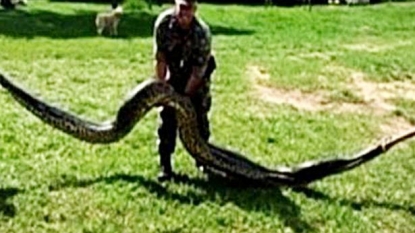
(291,85)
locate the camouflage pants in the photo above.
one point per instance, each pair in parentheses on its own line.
(167,131)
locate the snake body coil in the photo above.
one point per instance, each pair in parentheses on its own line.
(215,160)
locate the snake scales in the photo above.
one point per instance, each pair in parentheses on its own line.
(215,160)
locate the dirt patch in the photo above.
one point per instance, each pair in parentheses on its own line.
(375,48)
(395,125)
(313,55)
(375,97)
(371,93)
(258,74)
(296,98)
(308,101)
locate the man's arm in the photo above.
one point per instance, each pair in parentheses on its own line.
(161,43)
(200,63)
(161,67)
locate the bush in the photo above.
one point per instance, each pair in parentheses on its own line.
(135,4)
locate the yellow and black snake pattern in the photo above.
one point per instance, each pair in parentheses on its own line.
(215,160)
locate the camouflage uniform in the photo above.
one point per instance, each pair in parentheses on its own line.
(183,51)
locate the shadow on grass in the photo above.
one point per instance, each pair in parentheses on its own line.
(317,195)
(41,23)
(7,209)
(34,23)
(270,201)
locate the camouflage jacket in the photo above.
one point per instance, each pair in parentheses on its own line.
(183,51)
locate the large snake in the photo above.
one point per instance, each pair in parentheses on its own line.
(214,159)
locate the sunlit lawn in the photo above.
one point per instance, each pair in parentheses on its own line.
(332,56)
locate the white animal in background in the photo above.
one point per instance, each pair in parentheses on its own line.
(109,21)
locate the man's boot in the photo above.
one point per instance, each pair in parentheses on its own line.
(166,172)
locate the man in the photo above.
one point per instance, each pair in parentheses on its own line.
(183,57)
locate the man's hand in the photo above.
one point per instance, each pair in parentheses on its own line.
(193,85)
(195,81)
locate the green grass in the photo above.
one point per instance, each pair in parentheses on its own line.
(405,109)
(51,182)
